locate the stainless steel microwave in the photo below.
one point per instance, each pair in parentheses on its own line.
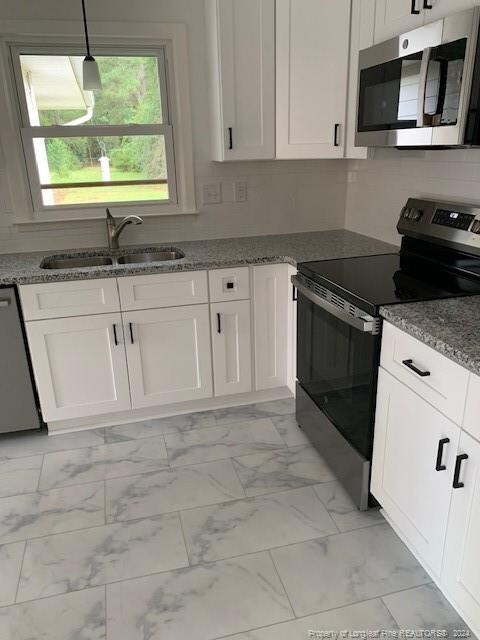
(422,88)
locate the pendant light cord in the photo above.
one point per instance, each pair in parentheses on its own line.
(86,29)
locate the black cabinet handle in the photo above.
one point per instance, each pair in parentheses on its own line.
(458,468)
(115,338)
(412,367)
(230,138)
(439,466)
(294,293)
(219,323)
(414,11)
(336,143)
(130,326)
(426,5)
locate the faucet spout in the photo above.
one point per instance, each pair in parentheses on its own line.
(114,230)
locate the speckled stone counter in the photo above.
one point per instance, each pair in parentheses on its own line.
(451,327)
(24,268)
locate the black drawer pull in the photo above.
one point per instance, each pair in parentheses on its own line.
(230,138)
(412,367)
(458,468)
(115,338)
(414,11)
(439,466)
(336,143)
(219,323)
(130,326)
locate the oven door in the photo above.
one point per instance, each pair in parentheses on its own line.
(337,364)
(414,89)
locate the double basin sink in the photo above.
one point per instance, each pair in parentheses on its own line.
(110,259)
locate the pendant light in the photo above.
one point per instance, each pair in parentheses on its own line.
(91,74)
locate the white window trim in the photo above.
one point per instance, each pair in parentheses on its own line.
(112,34)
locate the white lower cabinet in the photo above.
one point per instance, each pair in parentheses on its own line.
(168,354)
(410,479)
(79,365)
(231,346)
(271,299)
(461,570)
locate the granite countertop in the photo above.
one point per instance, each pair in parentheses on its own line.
(451,327)
(24,268)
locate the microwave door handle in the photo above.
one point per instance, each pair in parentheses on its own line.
(422,86)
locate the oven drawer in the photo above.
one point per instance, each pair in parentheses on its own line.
(434,377)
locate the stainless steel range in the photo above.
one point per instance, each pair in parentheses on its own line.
(339,326)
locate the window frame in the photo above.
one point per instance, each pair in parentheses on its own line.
(29,132)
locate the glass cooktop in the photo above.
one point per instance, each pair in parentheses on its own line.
(372,281)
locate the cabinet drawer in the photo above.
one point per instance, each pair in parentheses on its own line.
(445,386)
(229,284)
(73,298)
(163,290)
(472,410)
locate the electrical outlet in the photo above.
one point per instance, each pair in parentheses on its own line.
(240,191)
(212,193)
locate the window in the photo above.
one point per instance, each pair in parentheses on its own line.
(90,149)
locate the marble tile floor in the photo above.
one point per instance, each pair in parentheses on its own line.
(219,524)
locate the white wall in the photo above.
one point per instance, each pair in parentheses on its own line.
(282,196)
(379,187)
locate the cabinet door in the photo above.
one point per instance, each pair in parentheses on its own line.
(241,36)
(393,17)
(232,349)
(361,37)
(461,574)
(79,365)
(408,435)
(168,352)
(270,299)
(312,48)
(442,8)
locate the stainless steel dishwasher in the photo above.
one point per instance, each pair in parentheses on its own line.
(18,405)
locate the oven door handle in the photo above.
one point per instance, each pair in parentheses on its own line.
(365,325)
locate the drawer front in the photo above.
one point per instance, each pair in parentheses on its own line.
(163,290)
(472,410)
(73,298)
(229,284)
(445,386)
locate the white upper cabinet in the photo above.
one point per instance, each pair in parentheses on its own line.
(393,17)
(442,8)
(168,354)
(241,39)
(231,346)
(361,37)
(461,574)
(312,50)
(79,365)
(413,465)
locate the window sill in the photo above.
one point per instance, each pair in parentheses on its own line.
(46,218)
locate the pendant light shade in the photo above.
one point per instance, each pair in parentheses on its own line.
(91,73)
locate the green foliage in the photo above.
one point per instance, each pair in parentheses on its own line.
(130,94)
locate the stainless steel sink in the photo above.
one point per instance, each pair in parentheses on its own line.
(162,255)
(75,262)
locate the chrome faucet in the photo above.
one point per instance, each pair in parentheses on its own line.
(114,230)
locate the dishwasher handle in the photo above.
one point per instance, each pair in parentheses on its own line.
(5,303)
(365,324)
